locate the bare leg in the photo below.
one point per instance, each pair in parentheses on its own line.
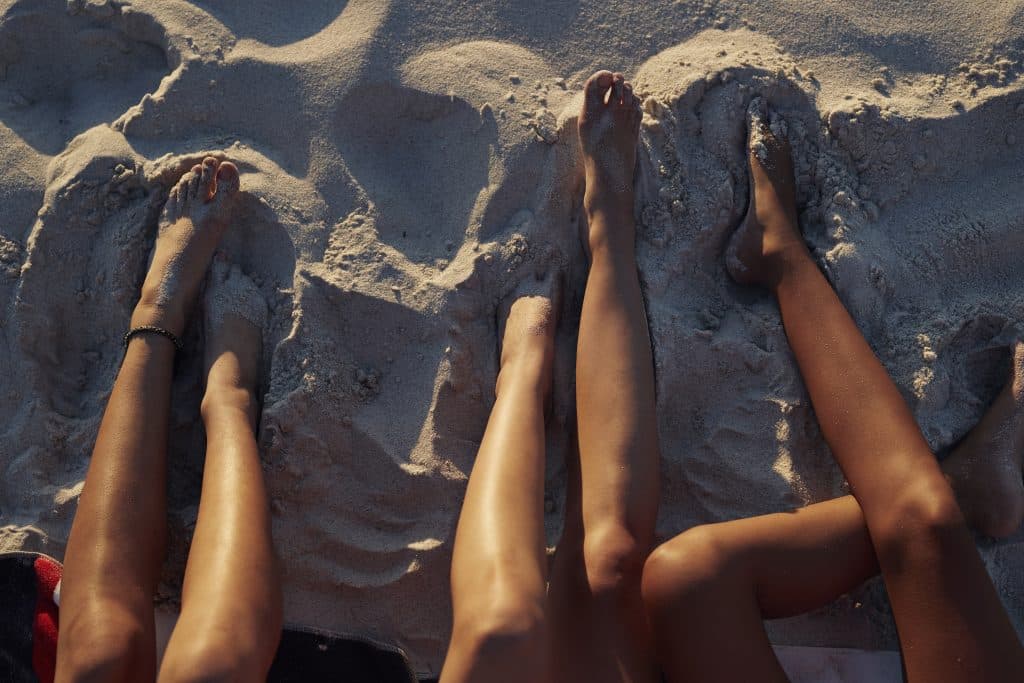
(117,540)
(951,623)
(499,569)
(708,589)
(230,620)
(985,468)
(602,632)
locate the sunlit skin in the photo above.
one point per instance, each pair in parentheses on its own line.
(708,589)
(586,621)
(231,599)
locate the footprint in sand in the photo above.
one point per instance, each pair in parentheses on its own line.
(422,160)
(63,73)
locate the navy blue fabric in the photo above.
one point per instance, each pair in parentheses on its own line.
(311,656)
(18,607)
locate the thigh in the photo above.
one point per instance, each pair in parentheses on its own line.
(708,590)
(801,560)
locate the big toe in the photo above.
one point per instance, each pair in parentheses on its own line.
(596,88)
(228,181)
(195,176)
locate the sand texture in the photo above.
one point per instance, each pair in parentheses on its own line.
(404,165)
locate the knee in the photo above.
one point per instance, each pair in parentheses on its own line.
(926,514)
(112,647)
(614,561)
(506,629)
(210,661)
(690,567)
(208,652)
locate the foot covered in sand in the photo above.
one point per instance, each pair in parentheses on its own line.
(191,226)
(526,327)
(609,126)
(768,234)
(985,468)
(235,316)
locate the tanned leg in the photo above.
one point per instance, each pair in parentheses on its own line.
(601,626)
(231,607)
(951,623)
(708,589)
(499,568)
(117,540)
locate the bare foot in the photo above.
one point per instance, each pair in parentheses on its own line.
(235,315)
(193,220)
(769,232)
(609,126)
(985,468)
(530,316)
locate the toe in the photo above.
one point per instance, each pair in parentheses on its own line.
(182,185)
(618,84)
(597,87)
(628,99)
(171,207)
(193,183)
(206,178)
(757,115)
(184,188)
(227,180)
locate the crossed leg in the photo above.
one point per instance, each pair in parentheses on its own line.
(951,624)
(708,589)
(117,541)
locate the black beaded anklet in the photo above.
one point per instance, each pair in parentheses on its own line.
(155,330)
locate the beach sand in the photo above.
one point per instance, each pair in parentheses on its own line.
(405,164)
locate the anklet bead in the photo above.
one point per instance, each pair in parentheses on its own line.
(151,329)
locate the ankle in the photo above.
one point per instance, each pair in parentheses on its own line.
(787,263)
(612,233)
(616,207)
(530,368)
(149,312)
(220,401)
(610,252)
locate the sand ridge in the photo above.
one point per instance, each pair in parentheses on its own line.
(404,165)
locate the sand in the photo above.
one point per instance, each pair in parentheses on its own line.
(405,164)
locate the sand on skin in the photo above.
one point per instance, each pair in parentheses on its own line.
(404,164)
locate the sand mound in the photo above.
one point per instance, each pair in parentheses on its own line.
(404,166)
